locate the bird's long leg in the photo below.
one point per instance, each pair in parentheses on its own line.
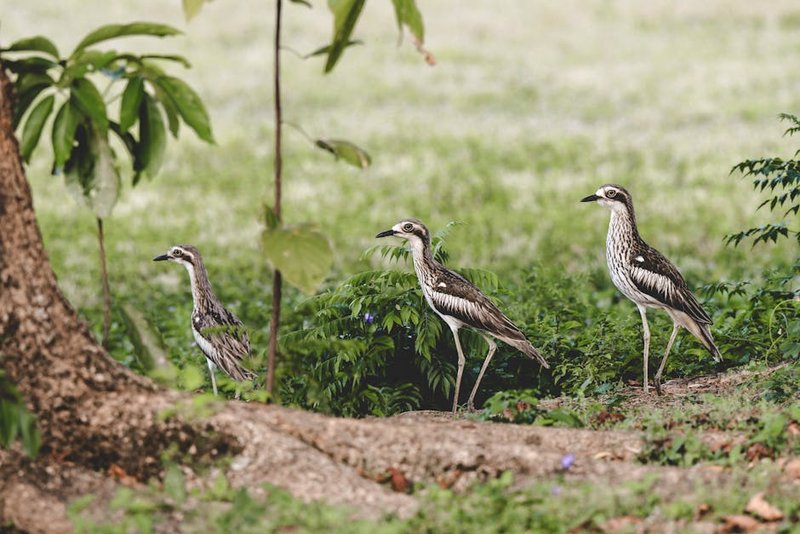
(675,329)
(646,336)
(492,349)
(211,367)
(461,362)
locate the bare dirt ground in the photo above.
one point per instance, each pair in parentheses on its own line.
(373,464)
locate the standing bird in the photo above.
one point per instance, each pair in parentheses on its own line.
(647,278)
(219,333)
(458,302)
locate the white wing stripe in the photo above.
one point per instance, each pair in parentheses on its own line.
(655,281)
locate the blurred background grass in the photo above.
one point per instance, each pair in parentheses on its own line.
(532,105)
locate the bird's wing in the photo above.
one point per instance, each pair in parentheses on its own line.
(226,333)
(454,295)
(654,275)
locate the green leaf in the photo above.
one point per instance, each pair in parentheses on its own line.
(33,126)
(303,2)
(349,152)
(147,342)
(63,134)
(28,87)
(90,102)
(38,43)
(408,14)
(345,16)
(192,7)
(112,31)
(169,57)
(91,175)
(327,48)
(300,253)
(152,137)
(131,101)
(189,106)
(169,107)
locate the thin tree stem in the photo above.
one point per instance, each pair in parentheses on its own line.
(104,278)
(276,281)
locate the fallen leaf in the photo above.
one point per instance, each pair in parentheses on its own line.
(793,429)
(758,506)
(398,480)
(701,510)
(115,471)
(739,523)
(623,523)
(792,469)
(757,451)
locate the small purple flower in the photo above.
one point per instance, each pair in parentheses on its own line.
(555,490)
(369,318)
(567,461)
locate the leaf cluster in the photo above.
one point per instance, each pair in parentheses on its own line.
(66,88)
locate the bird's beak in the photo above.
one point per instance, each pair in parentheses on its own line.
(163,257)
(590,198)
(387,233)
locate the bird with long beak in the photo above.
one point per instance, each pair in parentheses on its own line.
(218,332)
(459,303)
(647,278)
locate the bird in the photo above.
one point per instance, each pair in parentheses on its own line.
(459,303)
(218,332)
(648,278)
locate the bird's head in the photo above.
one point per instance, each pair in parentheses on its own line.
(186,255)
(614,197)
(411,230)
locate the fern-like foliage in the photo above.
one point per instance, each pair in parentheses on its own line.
(372,344)
(782,179)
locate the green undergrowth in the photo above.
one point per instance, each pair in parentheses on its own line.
(559,504)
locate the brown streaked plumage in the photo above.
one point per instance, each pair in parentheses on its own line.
(648,278)
(218,332)
(459,303)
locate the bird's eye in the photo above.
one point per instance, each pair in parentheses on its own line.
(611,193)
(177,253)
(408,227)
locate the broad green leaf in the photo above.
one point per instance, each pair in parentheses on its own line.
(112,31)
(302,255)
(345,16)
(189,106)
(152,137)
(169,57)
(63,133)
(192,7)
(408,14)
(169,107)
(38,43)
(90,102)
(327,48)
(93,59)
(352,154)
(28,86)
(131,101)
(33,126)
(91,174)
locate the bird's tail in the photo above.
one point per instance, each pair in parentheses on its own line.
(524,346)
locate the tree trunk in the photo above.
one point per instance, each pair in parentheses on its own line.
(98,419)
